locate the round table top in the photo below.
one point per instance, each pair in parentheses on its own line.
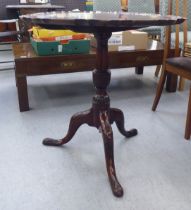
(95,21)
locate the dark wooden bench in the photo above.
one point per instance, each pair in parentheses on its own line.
(27,63)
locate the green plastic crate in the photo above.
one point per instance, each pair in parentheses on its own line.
(56,48)
(89,5)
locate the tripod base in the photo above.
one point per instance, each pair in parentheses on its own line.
(103,123)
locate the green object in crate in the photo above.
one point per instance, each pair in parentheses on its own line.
(56,48)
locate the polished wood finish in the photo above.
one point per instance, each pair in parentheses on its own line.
(157,6)
(182,80)
(21,82)
(23,9)
(139,70)
(91,22)
(27,63)
(100,115)
(157,70)
(188,119)
(177,65)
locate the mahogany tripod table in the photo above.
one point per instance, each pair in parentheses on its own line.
(100,115)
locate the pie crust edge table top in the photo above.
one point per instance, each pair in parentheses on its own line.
(92,21)
(100,115)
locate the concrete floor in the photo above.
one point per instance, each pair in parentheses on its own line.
(154,167)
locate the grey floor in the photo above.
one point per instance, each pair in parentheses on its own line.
(6,57)
(154,167)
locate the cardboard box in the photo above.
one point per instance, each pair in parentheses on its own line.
(126,40)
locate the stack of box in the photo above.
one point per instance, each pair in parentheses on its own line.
(55,42)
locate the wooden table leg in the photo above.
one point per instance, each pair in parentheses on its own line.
(21,82)
(139,70)
(171,82)
(107,134)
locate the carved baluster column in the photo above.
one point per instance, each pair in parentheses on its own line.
(101,108)
(101,76)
